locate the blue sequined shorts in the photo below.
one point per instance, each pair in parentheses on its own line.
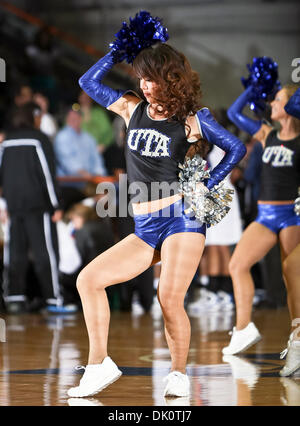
(154,228)
(277,217)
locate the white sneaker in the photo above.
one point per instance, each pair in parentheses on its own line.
(242,339)
(96,377)
(208,302)
(178,384)
(225,301)
(84,402)
(177,401)
(292,353)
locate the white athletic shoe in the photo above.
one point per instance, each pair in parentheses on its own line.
(208,302)
(84,402)
(177,401)
(225,301)
(96,377)
(242,339)
(292,353)
(178,384)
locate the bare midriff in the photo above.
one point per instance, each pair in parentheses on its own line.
(155,205)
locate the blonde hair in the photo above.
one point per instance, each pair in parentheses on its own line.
(290,89)
(87,213)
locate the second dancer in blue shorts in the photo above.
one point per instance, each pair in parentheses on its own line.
(277,220)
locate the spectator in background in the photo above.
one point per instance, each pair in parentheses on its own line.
(114,155)
(92,234)
(23,95)
(69,261)
(252,174)
(76,150)
(27,179)
(48,122)
(96,122)
(42,55)
(218,294)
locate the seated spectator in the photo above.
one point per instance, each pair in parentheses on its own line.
(48,122)
(93,235)
(42,55)
(114,155)
(70,261)
(252,173)
(23,95)
(96,122)
(76,151)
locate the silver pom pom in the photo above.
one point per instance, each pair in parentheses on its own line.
(208,206)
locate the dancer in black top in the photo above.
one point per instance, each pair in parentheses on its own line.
(276,220)
(161,131)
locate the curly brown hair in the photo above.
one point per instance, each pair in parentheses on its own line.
(178,86)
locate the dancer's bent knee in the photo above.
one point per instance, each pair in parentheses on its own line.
(236,267)
(170,305)
(87,281)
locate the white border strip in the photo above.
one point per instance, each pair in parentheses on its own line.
(51,253)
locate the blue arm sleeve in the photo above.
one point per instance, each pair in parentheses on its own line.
(214,133)
(91,82)
(243,122)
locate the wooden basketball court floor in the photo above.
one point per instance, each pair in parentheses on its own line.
(39,357)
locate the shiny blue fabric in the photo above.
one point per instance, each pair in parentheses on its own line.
(154,228)
(91,82)
(243,122)
(214,133)
(277,217)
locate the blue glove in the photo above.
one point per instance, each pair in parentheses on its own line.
(243,122)
(214,133)
(293,105)
(91,82)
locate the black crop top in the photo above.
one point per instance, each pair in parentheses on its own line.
(280,176)
(153,150)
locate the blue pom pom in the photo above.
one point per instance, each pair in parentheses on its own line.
(143,31)
(263,77)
